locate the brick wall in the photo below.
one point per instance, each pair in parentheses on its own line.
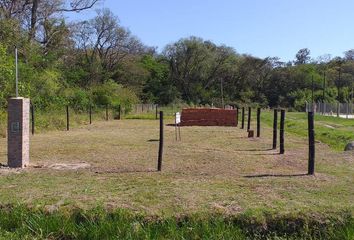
(18,132)
(208,117)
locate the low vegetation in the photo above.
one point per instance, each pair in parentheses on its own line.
(22,223)
(334,131)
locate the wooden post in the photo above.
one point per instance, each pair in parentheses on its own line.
(243,118)
(159,161)
(249,119)
(90,113)
(119,112)
(156,108)
(176,126)
(237,113)
(179,132)
(258,122)
(311,134)
(106,112)
(275,128)
(282,123)
(32,118)
(67,118)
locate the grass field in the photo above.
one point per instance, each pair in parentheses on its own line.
(333,131)
(212,172)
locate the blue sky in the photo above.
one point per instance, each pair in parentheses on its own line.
(258,27)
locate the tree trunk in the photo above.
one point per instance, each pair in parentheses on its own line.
(34,9)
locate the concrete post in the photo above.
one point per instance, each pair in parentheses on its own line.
(18,132)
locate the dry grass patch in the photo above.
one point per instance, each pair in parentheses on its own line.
(213,169)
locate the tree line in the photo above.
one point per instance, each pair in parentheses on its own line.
(99,61)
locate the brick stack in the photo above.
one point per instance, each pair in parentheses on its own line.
(208,117)
(18,132)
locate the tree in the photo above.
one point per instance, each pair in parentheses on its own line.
(302,56)
(349,55)
(198,67)
(158,87)
(106,44)
(33,14)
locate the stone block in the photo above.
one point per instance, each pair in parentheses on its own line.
(18,132)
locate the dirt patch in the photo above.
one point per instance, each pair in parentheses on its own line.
(329,126)
(227,208)
(6,170)
(68,166)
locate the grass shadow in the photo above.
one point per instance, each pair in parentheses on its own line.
(253,150)
(124,171)
(276,175)
(267,154)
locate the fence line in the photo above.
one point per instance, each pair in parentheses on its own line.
(344,110)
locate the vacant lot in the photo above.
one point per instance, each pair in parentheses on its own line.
(213,169)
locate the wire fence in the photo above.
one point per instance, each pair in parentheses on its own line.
(343,110)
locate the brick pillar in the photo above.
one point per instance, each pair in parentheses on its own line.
(18,132)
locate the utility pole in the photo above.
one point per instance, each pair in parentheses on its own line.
(339,81)
(312,93)
(312,90)
(16,63)
(324,86)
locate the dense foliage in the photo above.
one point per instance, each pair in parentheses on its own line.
(100,62)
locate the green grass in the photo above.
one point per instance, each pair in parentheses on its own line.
(203,192)
(22,223)
(336,132)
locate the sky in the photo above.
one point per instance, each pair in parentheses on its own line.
(262,28)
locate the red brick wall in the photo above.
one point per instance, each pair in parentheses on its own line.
(208,117)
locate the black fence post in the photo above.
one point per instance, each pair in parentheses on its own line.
(311,134)
(90,113)
(156,111)
(159,163)
(119,112)
(258,122)
(106,112)
(282,123)
(237,113)
(243,118)
(275,128)
(67,118)
(32,118)
(249,119)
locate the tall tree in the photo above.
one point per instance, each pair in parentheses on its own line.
(302,56)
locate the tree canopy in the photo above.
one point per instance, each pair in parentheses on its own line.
(100,61)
